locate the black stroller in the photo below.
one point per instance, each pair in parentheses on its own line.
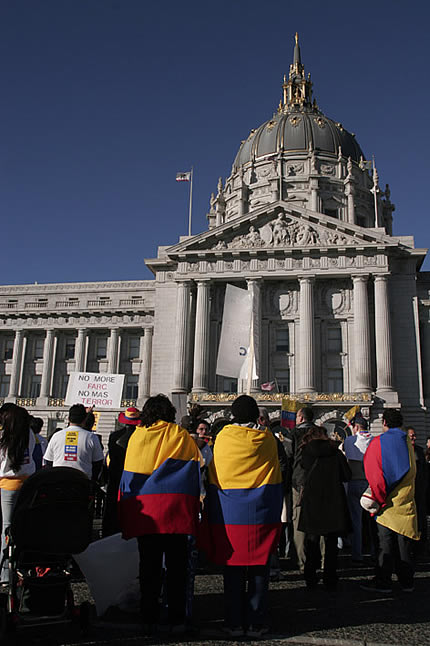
(51,521)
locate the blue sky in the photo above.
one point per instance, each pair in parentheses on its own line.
(103,101)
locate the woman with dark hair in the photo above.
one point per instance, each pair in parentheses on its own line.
(16,464)
(159,504)
(324,508)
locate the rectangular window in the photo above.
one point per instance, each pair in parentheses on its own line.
(64,384)
(334,339)
(101,348)
(38,349)
(131,386)
(335,380)
(69,350)
(8,349)
(229,385)
(4,385)
(282,340)
(35,385)
(133,347)
(283,380)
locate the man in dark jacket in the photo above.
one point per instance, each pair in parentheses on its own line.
(304,419)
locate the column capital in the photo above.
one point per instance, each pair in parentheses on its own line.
(381,277)
(148,331)
(306,279)
(203,281)
(360,278)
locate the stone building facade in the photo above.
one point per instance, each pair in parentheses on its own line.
(340,303)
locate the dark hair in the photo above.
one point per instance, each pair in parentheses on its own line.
(158,407)
(36,424)
(77,413)
(307,413)
(314,433)
(392,418)
(15,434)
(89,421)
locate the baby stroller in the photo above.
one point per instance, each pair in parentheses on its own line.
(51,521)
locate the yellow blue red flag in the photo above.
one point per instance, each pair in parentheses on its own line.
(160,485)
(244,497)
(289,411)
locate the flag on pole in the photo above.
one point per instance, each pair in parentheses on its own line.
(350,414)
(289,411)
(268,386)
(183,177)
(233,351)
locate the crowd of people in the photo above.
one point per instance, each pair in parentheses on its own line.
(249,493)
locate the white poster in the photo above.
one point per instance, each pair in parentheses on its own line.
(96,389)
(235,333)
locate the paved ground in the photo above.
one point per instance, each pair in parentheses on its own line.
(351,616)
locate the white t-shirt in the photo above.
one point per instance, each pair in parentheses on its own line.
(74,447)
(27,468)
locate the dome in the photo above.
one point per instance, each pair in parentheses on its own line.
(298,126)
(298,130)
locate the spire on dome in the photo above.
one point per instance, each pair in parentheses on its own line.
(297,91)
(297,59)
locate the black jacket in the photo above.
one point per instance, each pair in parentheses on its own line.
(298,474)
(324,508)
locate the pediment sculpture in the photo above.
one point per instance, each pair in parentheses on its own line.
(284,232)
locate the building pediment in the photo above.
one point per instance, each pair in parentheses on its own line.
(281,227)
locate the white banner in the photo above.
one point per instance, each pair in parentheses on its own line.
(235,333)
(96,389)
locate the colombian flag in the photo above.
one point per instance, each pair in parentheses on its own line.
(244,497)
(389,464)
(289,411)
(160,485)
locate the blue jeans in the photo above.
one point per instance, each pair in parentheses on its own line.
(8,500)
(245,595)
(355,490)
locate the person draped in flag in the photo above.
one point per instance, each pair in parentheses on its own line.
(244,503)
(389,465)
(159,504)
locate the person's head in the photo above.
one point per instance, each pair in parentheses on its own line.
(314,433)
(15,434)
(411,434)
(359,424)
(263,417)
(428,442)
(391,418)
(89,421)
(203,428)
(4,409)
(304,415)
(157,408)
(36,424)
(77,414)
(244,409)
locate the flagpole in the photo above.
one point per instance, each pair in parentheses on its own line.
(191,203)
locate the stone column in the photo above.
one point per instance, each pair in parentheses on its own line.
(362,361)
(254,288)
(201,338)
(306,336)
(181,350)
(145,366)
(80,350)
(313,184)
(48,356)
(384,358)
(113,351)
(16,364)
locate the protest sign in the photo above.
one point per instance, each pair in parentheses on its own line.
(235,333)
(94,389)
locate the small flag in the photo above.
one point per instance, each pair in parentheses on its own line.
(268,386)
(183,177)
(289,411)
(350,414)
